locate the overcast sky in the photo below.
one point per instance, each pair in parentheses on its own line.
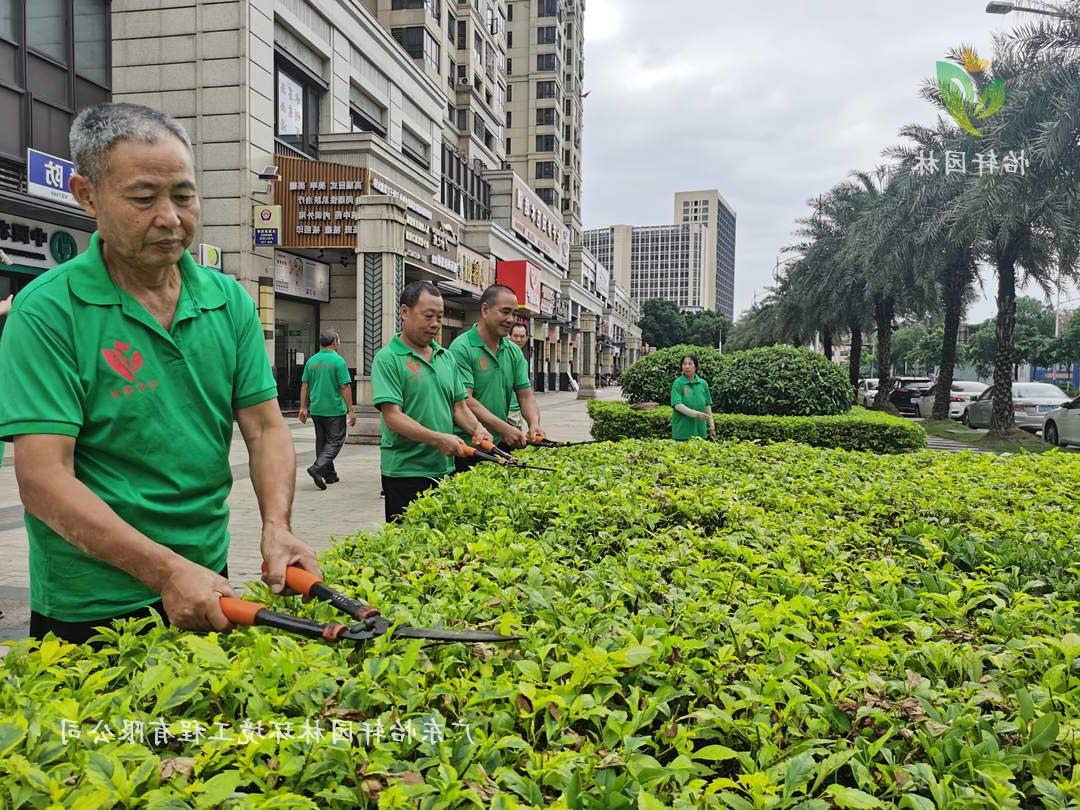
(770,101)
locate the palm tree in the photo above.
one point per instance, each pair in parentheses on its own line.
(928,196)
(1023,217)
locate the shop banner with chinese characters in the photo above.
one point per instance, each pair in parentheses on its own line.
(431,240)
(38,245)
(301,277)
(524,279)
(319,202)
(50,177)
(477,271)
(534,221)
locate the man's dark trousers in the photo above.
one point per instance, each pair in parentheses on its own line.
(330,432)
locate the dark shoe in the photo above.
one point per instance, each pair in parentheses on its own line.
(331,478)
(320,482)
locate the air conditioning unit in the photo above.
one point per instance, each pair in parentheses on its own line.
(463,81)
(507,165)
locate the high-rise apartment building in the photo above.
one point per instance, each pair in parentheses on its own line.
(545,67)
(691,263)
(659,261)
(462,47)
(718,216)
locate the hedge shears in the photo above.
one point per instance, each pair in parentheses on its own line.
(538,439)
(371,623)
(486,450)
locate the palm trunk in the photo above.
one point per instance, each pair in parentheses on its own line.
(957,273)
(883,316)
(1001,417)
(826,343)
(855,358)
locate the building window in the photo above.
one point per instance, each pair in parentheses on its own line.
(462,35)
(297,107)
(547,61)
(510,11)
(430,5)
(366,114)
(509,119)
(509,39)
(545,170)
(463,119)
(546,117)
(545,35)
(451,28)
(509,67)
(9,20)
(419,44)
(545,143)
(547,195)
(92,41)
(508,149)
(546,89)
(47,27)
(415,148)
(509,90)
(547,8)
(464,190)
(451,70)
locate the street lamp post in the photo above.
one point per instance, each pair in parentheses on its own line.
(1005,8)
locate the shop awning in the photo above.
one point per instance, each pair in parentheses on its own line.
(453,292)
(23,268)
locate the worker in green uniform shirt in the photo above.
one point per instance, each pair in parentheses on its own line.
(130,363)
(691,403)
(326,395)
(493,370)
(519,336)
(416,386)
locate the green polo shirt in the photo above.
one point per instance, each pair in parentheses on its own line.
(325,373)
(493,377)
(426,391)
(151,412)
(693,394)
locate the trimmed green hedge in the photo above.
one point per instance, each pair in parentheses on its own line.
(858,430)
(731,626)
(649,379)
(781,381)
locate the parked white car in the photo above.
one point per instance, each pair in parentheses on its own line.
(1063,425)
(961,393)
(1031,403)
(866,392)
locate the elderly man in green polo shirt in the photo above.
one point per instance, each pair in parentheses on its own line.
(494,369)
(416,386)
(131,362)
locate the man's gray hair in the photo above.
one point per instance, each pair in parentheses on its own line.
(99,128)
(329,338)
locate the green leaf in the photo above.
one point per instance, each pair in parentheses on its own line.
(992,100)
(11,734)
(217,790)
(851,797)
(177,693)
(912,801)
(715,753)
(956,78)
(1044,733)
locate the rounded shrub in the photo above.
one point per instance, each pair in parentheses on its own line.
(649,379)
(780,381)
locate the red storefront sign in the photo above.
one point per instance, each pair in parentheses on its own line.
(524,279)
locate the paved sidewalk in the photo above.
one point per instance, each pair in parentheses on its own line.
(318,517)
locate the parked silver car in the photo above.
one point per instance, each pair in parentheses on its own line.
(1031,403)
(961,393)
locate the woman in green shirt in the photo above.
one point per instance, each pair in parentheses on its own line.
(691,404)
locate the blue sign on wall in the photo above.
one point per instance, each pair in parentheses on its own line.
(49,176)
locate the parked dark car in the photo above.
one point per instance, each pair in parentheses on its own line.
(906,393)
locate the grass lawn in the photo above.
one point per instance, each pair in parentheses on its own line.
(1020,441)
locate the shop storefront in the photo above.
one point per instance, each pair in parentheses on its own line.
(300,286)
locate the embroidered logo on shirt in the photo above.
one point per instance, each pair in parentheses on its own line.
(484,363)
(685,390)
(119,362)
(127,367)
(413,365)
